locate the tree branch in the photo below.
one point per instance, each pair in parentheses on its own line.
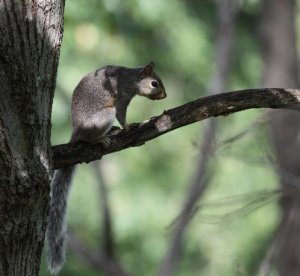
(198,110)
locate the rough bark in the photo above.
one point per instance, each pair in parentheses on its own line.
(201,109)
(30,38)
(281,69)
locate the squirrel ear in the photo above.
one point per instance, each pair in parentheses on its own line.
(148,69)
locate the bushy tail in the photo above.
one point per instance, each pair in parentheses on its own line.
(56,231)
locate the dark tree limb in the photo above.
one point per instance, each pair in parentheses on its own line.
(198,110)
(96,258)
(107,224)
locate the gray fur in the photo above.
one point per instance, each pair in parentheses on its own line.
(98,99)
(56,232)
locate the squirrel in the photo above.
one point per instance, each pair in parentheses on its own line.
(99,98)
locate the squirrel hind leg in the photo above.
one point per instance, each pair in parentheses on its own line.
(95,128)
(91,136)
(105,141)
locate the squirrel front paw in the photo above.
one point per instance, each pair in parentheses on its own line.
(130,126)
(126,126)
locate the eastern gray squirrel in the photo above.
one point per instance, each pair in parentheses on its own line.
(99,98)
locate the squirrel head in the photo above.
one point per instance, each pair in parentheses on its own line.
(150,84)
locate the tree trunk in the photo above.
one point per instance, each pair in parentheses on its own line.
(281,70)
(30,38)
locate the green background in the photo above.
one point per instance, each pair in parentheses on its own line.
(147,185)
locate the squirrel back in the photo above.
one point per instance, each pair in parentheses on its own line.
(99,98)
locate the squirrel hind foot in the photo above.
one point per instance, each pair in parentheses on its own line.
(105,141)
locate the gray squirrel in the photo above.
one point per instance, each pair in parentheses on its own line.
(99,98)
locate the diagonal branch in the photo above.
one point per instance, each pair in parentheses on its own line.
(198,110)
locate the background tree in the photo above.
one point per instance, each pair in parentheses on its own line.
(278,37)
(226,16)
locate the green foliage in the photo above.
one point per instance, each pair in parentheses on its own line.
(147,185)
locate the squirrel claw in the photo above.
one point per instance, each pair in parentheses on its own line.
(106,142)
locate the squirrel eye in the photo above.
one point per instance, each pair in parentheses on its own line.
(154,83)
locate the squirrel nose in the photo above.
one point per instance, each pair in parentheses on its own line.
(158,96)
(163,94)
